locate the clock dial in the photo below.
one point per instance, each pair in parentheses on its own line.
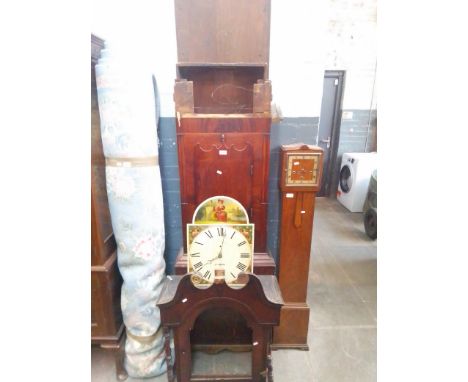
(217,252)
(302,169)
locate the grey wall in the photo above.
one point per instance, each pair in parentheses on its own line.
(171,191)
(355,135)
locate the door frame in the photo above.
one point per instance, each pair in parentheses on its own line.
(340,75)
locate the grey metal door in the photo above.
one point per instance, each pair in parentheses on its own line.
(330,117)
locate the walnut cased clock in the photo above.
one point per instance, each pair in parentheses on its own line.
(301,172)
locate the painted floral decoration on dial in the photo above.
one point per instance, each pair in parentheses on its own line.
(217,252)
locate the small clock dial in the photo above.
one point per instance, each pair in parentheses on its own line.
(220,251)
(302,169)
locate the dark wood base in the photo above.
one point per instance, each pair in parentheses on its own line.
(117,345)
(220,329)
(288,335)
(180,304)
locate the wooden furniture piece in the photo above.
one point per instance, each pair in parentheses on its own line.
(208,335)
(181,304)
(222,97)
(301,171)
(107,327)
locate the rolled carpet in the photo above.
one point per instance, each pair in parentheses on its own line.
(127,110)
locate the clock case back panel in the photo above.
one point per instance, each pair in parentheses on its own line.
(222,97)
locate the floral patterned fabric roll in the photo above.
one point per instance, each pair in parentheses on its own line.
(129,136)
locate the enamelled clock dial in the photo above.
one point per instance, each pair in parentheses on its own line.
(219,252)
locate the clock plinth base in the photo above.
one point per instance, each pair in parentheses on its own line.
(287,336)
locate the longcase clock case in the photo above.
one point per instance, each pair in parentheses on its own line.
(222,97)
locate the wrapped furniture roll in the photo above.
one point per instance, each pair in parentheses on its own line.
(129,135)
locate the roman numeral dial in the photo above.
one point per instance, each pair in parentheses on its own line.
(220,251)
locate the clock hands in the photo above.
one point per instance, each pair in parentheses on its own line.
(220,253)
(218,256)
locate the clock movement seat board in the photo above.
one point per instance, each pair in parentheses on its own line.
(181,303)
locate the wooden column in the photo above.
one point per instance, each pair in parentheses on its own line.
(301,170)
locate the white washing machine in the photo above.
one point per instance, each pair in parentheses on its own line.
(355,173)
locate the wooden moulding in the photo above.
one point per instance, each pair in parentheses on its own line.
(183,96)
(262,97)
(263,264)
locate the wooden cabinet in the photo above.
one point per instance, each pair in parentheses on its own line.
(107,328)
(225,156)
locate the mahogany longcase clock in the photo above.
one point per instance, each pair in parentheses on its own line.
(222,98)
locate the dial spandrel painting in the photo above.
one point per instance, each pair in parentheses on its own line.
(220,210)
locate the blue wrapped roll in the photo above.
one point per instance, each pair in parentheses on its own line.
(126,99)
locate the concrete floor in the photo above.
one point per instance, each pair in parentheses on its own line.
(343,299)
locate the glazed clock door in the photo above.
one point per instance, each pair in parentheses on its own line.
(221,169)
